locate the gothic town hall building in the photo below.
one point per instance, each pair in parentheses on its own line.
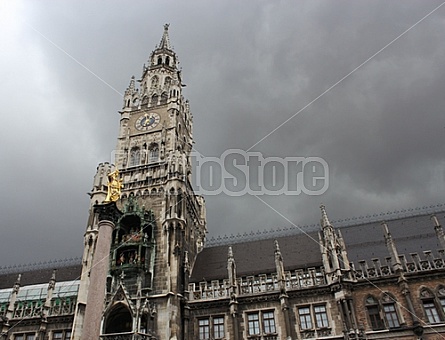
(147,273)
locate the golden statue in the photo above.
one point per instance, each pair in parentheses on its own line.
(114,186)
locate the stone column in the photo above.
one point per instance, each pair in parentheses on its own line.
(98,275)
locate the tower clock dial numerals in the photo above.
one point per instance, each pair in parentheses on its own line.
(147,121)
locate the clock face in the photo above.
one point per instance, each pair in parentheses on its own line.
(147,121)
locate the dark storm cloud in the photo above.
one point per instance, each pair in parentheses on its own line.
(248,67)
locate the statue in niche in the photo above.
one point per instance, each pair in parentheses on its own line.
(114,186)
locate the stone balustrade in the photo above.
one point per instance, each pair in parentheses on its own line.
(257,284)
(417,263)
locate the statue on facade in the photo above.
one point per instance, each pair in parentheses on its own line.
(114,186)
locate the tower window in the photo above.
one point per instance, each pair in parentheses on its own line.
(167,61)
(164,98)
(154,81)
(154,153)
(154,99)
(135,156)
(159,61)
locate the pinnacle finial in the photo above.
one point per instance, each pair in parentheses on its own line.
(230,253)
(165,41)
(324,216)
(277,247)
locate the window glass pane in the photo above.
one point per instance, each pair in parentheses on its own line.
(57,335)
(391,315)
(204,329)
(431,311)
(18,337)
(374,318)
(321,316)
(269,322)
(218,327)
(305,318)
(253,321)
(30,337)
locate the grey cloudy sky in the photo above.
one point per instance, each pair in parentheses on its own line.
(248,66)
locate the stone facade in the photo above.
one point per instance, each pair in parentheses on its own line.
(146,274)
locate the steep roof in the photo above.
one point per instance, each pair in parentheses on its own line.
(365,241)
(31,277)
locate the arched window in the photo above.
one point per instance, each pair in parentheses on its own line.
(154,81)
(119,320)
(159,61)
(154,99)
(164,98)
(135,156)
(390,311)
(154,153)
(382,314)
(373,309)
(167,61)
(432,313)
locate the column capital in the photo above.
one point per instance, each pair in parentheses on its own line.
(108,212)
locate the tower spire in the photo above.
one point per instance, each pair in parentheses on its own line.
(324,217)
(165,40)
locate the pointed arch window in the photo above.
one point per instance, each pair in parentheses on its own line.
(154,81)
(164,98)
(167,81)
(154,153)
(119,320)
(135,156)
(167,61)
(373,309)
(154,99)
(383,314)
(432,313)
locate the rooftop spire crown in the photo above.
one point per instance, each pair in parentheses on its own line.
(165,41)
(324,217)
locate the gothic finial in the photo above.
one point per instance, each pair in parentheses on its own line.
(324,217)
(277,247)
(17,284)
(230,254)
(165,41)
(52,281)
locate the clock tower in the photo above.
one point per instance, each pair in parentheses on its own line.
(158,224)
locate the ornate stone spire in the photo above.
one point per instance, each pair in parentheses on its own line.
(165,41)
(439,231)
(324,217)
(397,265)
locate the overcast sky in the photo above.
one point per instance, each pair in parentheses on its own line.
(249,66)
